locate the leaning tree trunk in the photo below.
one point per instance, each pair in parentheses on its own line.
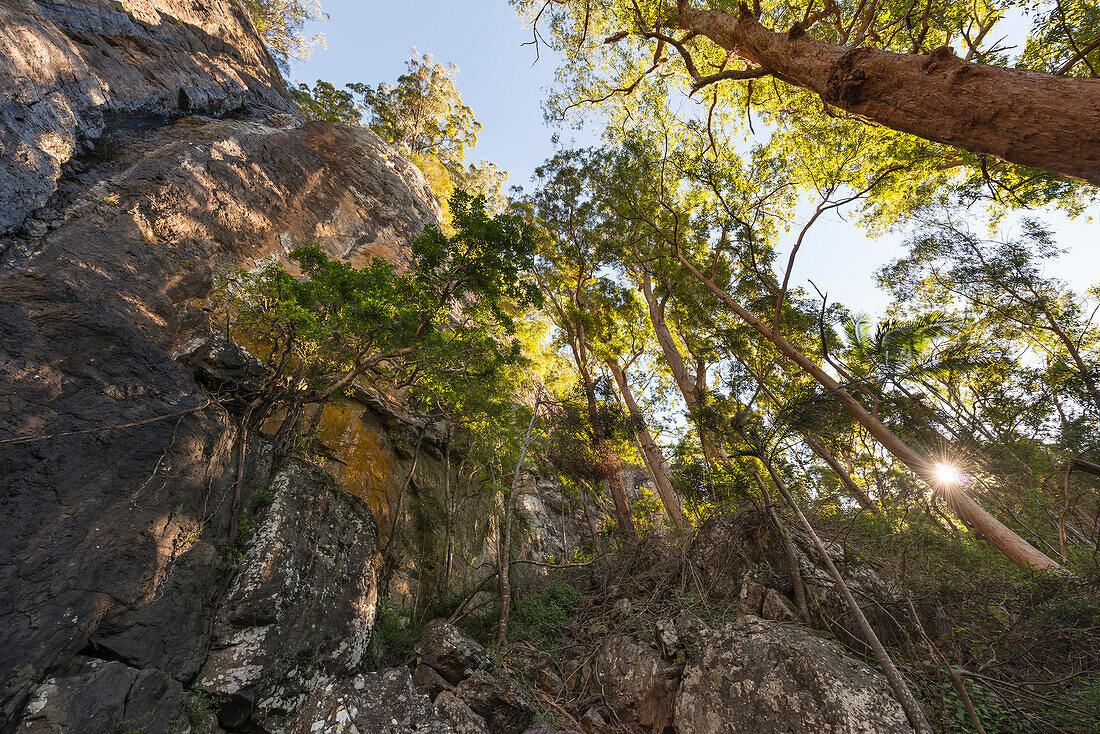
(854,490)
(905,697)
(504,565)
(685,381)
(1021,116)
(654,458)
(1018,550)
(612,464)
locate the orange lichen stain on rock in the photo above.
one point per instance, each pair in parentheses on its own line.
(367,465)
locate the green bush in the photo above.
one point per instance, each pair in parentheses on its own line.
(539,618)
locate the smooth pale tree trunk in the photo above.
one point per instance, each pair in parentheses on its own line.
(655,460)
(850,487)
(616,487)
(905,697)
(1025,117)
(1018,550)
(504,567)
(681,375)
(793,569)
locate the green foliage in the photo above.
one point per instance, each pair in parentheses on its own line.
(133,724)
(280,24)
(423,112)
(446,320)
(648,513)
(1063,37)
(200,706)
(262,496)
(326,103)
(642,81)
(423,116)
(395,636)
(539,618)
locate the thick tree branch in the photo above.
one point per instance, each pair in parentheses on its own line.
(987,110)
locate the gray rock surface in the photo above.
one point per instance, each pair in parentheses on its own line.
(636,682)
(451,652)
(75,72)
(758,677)
(479,686)
(459,715)
(495,697)
(751,597)
(376,703)
(778,608)
(99,548)
(692,631)
(171,631)
(429,682)
(301,607)
(98,696)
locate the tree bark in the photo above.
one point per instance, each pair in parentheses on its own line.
(797,585)
(1018,550)
(653,455)
(615,484)
(683,378)
(854,490)
(505,564)
(905,697)
(1020,116)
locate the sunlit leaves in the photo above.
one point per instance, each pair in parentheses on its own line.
(447,317)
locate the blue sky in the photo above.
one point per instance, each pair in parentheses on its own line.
(369,41)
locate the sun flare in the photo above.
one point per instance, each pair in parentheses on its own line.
(947,474)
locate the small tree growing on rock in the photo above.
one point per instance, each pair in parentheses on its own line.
(446,316)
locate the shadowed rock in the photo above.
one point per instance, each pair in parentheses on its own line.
(98,696)
(452,653)
(131,465)
(636,682)
(379,703)
(301,608)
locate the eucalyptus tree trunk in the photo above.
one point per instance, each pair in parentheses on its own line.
(1018,550)
(797,584)
(655,460)
(681,375)
(854,490)
(504,564)
(905,697)
(615,484)
(1021,116)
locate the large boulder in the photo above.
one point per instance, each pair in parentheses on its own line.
(379,703)
(636,682)
(300,610)
(496,698)
(470,691)
(757,677)
(98,696)
(451,652)
(462,718)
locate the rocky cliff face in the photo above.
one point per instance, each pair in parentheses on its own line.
(179,159)
(80,73)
